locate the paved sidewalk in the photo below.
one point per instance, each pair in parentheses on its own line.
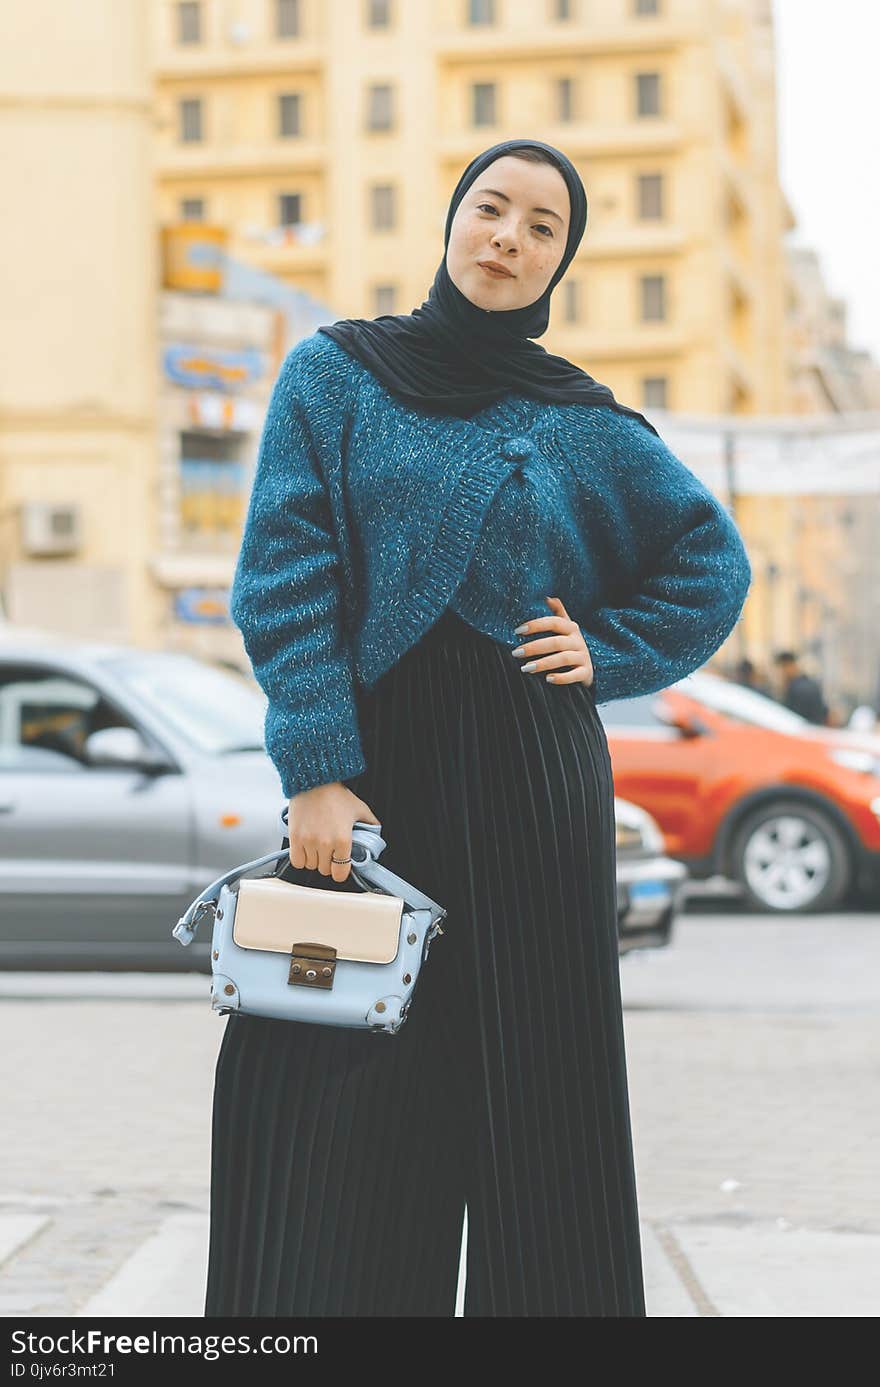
(752,1050)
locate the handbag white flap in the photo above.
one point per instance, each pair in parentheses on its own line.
(275,915)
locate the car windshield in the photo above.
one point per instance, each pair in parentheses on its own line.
(742,704)
(215,709)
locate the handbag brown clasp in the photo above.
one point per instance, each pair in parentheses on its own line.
(312,965)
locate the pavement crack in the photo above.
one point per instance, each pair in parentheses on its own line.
(686,1274)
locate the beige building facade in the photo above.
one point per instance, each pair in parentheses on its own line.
(78,272)
(328,135)
(828,376)
(322,142)
(326,139)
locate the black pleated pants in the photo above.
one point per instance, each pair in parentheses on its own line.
(342,1160)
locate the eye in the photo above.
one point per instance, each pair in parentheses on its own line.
(487,206)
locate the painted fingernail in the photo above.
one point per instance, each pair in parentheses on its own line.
(520,650)
(530,666)
(521,630)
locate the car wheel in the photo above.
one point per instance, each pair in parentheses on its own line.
(790,857)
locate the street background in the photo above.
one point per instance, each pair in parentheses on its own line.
(182,185)
(752,1046)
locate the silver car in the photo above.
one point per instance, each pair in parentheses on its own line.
(650,885)
(131,778)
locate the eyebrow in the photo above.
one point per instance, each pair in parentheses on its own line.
(495,193)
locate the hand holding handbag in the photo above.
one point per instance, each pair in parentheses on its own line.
(300,953)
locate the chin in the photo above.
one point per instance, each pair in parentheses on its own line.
(486,298)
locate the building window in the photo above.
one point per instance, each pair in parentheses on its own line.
(190,119)
(385,298)
(379,107)
(192,209)
(287,19)
(483,103)
(382,208)
(481,12)
(650,200)
(289,209)
(565,99)
(562,9)
(647,6)
(289,114)
(571,301)
(378,14)
(653,294)
(654,392)
(189,22)
(648,93)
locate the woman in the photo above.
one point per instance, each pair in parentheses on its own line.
(456,546)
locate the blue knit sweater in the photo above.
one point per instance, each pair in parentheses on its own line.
(367,518)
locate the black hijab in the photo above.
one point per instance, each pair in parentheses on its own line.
(452,357)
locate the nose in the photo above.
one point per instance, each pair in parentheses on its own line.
(504,240)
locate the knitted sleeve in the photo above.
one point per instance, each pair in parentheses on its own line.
(286,595)
(686,571)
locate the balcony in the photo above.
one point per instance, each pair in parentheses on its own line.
(741,283)
(215,159)
(284,251)
(580,139)
(634,241)
(738,370)
(734,86)
(633,342)
(736,186)
(570,40)
(281,58)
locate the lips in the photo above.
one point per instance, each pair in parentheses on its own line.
(492,270)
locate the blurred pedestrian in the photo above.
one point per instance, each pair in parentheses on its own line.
(747,673)
(800,692)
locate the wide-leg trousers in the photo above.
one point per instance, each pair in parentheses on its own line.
(343,1160)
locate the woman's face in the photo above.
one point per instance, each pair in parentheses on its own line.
(515,213)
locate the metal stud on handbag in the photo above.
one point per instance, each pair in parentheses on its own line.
(300,953)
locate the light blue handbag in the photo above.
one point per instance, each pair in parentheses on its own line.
(300,953)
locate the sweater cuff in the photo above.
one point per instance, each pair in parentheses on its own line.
(613,677)
(320,761)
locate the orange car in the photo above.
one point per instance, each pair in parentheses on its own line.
(743,787)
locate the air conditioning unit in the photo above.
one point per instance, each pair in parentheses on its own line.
(49,528)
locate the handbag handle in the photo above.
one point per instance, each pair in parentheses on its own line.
(369,874)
